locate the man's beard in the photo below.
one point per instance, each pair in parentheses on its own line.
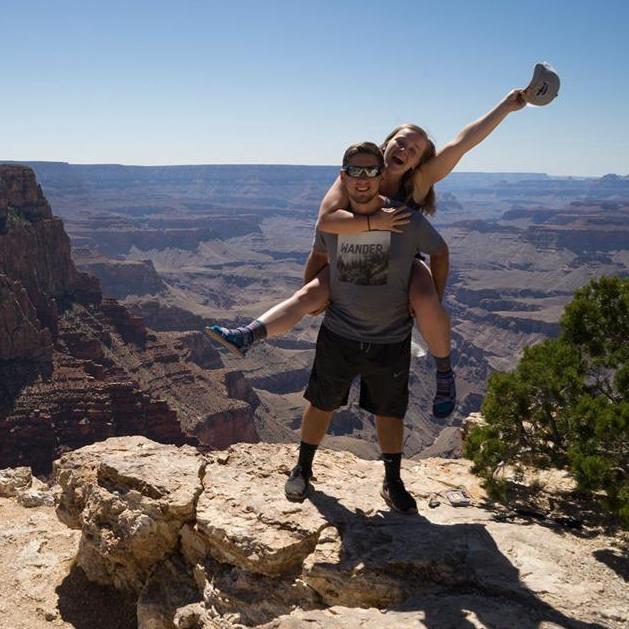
(362,197)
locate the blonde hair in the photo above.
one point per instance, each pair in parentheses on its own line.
(429,204)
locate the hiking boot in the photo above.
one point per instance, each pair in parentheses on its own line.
(233,340)
(445,397)
(297,486)
(396,496)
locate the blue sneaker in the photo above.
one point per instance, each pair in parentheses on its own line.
(445,397)
(233,340)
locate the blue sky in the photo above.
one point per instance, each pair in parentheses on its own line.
(196,82)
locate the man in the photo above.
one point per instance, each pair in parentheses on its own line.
(367,328)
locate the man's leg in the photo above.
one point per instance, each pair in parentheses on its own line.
(279,319)
(390,436)
(328,388)
(314,425)
(384,392)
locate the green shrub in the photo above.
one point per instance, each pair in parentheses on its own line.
(566,404)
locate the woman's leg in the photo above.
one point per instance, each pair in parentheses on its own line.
(431,317)
(309,299)
(433,323)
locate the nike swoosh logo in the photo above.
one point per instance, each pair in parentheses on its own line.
(398,374)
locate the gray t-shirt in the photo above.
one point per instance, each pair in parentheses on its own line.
(369,278)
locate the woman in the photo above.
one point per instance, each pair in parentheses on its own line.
(412,167)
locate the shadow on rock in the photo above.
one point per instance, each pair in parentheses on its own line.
(87,605)
(450,573)
(577,512)
(615,561)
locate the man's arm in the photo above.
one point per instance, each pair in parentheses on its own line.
(448,157)
(439,266)
(315,262)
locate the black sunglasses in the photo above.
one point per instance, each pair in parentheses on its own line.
(362,171)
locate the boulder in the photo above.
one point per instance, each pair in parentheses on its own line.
(37,495)
(243,518)
(130,497)
(13,480)
(35,498)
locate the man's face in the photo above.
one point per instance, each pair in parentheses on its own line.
(362,189)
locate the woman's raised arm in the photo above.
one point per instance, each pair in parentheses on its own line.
(335,198)
(448,157)
(334,217)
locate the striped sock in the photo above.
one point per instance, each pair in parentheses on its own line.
(256,331)
(443,364)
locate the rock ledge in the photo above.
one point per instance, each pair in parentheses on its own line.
(210,541)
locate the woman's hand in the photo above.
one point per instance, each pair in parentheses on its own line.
(390,219)
(514,100)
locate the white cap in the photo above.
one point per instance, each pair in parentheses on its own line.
(544,85)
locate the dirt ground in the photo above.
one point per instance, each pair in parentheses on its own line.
(40,587)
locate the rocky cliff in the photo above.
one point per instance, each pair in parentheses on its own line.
(75,368)
(208,541)
(37,276)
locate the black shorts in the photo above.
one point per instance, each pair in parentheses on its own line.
(383,370)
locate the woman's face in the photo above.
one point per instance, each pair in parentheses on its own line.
(404,150)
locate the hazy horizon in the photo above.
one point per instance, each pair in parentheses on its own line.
(189,164)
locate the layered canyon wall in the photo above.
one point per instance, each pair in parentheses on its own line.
(76,368)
